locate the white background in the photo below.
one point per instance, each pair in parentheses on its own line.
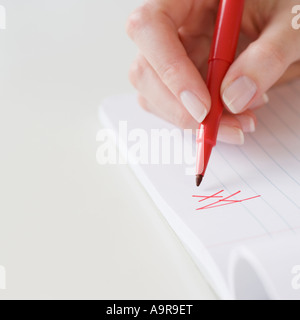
(70,228)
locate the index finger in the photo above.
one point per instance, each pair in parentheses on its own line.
(154,28)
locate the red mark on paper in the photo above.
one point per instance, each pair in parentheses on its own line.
(222,201)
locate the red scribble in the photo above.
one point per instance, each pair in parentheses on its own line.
(224,201)
(209,197)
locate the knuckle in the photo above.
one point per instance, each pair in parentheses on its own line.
(170,72)
(143,103)
(272,52)
(182,118)
(137,21)
(137,71)
(133,74)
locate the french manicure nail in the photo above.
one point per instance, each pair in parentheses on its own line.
(264,99)
(231,135)
(239,94)
(194,106)
(248,123)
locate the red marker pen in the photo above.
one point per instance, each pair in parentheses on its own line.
(221,57)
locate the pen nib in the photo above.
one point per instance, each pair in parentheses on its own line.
(199,178)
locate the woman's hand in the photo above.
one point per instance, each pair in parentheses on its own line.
(174,39)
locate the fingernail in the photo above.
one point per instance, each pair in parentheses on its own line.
(239,94)
(194,106)
(231,135)
(264,99)
(248,123)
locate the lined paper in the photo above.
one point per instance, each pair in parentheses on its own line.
(268,165)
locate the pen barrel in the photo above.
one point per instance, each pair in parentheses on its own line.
(222,55)
(216,73)
(227,30)
(208,132)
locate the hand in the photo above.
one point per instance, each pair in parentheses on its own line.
(174,40)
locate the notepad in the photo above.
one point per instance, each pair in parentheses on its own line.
(242,226)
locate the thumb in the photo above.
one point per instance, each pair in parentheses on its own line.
(261,65)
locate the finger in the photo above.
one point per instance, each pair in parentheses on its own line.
(154,28)
(259,102)
(230,130)
(247,121)
(292,73)
(156,98)
(198,49)
(262,64)
(232,127)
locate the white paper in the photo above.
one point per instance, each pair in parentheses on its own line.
(266,168)
(267,269)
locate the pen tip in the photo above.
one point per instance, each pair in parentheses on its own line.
(199,179)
